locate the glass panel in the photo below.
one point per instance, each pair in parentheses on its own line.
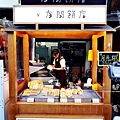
(20,66)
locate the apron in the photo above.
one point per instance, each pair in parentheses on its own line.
(60,74)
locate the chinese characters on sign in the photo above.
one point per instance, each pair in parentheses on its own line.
(55,14)
(59,1)
(62,1)
(106,58)
(61,14)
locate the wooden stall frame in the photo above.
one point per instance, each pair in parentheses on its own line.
(39,109)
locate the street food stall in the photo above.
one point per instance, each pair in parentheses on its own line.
(82,103)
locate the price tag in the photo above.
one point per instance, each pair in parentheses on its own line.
(63,100)
(30,99)
(95,100)
(50,100)
(76,100)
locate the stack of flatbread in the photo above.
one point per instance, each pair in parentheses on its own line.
(35,84)
(63,93)
(47,90)
(44,91)
(28,92)
(56,92)
(69,92)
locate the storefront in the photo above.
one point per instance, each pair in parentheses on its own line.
(33,108)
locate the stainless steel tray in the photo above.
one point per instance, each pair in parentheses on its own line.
(38,98)
(87,96)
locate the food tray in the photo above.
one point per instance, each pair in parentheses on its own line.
(87,96)
(31,94)
(38,98)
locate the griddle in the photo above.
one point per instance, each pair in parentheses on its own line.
(43,74)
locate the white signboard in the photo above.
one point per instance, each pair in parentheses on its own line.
(59,14)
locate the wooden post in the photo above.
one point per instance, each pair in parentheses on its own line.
(36,26)
(82,26)
(94,62)
(12,63)
(106,79)
(26,57)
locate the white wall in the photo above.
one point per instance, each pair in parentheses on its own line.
(8,3)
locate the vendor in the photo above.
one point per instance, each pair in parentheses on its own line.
(59,65)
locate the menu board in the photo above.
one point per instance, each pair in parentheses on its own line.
(106,58)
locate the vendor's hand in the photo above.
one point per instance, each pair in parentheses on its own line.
(50,67)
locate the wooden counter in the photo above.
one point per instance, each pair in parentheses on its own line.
(60,117)
(100,117)
(64,110)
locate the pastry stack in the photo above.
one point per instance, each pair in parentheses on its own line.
(56,92)
(35,84)
(28,92)
(63,93)
(69,92)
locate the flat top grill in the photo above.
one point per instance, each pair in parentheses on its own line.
(42,73)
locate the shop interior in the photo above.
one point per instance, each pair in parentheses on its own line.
(75,52)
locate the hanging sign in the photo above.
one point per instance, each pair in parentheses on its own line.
(107,58)
(59,14)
